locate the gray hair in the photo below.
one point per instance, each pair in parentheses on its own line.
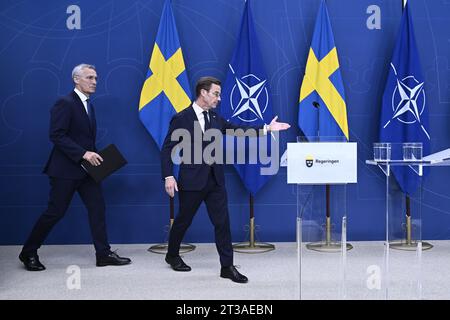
(77,70)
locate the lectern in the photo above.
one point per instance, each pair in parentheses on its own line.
(320,172)
(402,269)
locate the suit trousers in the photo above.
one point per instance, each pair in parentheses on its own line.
(215,198)
(61,194)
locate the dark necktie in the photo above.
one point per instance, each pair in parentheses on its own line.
(208,161)
(207,122)
(90,111)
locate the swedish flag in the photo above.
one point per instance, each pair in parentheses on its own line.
(322,108)
(166,88)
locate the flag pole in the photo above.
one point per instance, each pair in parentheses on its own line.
(328,222)
(162,248)
(407,199)
(409,244)
(252,246)
(328,245)
(408,220)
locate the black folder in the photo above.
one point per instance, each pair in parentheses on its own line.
(112,161)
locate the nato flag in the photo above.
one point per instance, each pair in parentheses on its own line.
(404,115)
(246,98)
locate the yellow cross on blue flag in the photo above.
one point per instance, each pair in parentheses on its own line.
(166,89)
(322,107)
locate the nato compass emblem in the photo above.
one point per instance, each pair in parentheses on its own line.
(253,97)
(408,97)
(309,161)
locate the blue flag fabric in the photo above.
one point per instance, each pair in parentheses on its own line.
(322,108)
(404,116)
(166,89)
(246,99)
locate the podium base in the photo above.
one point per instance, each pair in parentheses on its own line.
(257,247)
(327,246)
(162,248)
(409,246)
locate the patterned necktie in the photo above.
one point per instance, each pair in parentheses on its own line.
(207,122)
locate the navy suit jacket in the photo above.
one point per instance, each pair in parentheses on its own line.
(193,177)
(72,134)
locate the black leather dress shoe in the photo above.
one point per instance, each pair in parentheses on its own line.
(31,262)
(232,274)
(177,263)
(112,259)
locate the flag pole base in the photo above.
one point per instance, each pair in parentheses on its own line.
(162,248)
(253,247)
(324,246)
(411,246)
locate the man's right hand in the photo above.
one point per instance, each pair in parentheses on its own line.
(171,186)
(94,158)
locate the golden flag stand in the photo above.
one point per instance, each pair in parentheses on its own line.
(252,246)
(409,244)
(162,248)
(328,245)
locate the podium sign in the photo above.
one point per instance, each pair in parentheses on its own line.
(322,162)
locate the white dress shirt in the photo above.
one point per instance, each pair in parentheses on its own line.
(201,119)
(200,116)
(83,98)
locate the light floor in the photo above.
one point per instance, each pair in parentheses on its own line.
(71,274)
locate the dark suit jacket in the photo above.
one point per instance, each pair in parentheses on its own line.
(72,134)
(193,177)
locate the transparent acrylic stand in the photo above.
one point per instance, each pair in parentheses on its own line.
(402,268)
(321,241)
(322,236)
